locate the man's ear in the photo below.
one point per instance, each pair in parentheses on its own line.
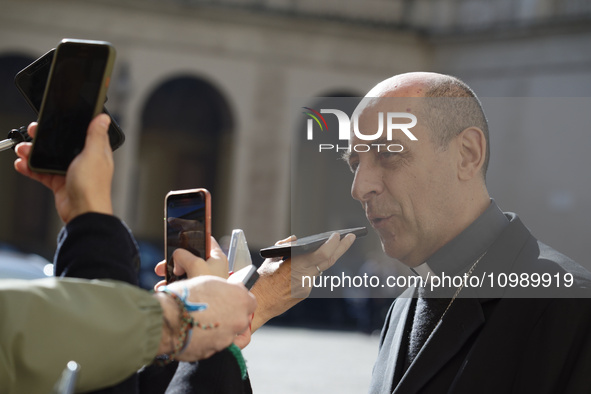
(472,149)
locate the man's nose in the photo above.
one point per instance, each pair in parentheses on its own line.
(367,182)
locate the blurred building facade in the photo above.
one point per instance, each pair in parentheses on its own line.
(203,91)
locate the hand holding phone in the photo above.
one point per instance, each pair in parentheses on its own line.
(187,225)
(87,188)
(74,95)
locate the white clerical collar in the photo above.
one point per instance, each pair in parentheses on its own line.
(423,270)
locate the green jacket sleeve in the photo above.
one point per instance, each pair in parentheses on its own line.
(111,329)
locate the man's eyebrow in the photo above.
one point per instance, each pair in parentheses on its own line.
(383,140)
(351,153)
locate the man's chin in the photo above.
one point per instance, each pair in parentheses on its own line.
(390,249)
(395,251)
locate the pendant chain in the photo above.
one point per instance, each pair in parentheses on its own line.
(466,277)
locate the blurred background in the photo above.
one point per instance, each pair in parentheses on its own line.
(205,91)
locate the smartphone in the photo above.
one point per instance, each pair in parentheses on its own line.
(187,225)
(240,265)
(247,276)
(31,82)
(308,244)
(238,253)
(75,93)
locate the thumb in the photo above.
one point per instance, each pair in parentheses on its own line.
(97,137)
(187,262)
(215,250)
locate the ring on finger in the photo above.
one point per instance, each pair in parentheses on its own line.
(319,271)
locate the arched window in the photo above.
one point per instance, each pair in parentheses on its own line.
(184,129)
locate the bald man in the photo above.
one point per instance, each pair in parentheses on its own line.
(431,208)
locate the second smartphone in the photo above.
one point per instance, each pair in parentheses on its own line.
(187,225)
(308,244)
(75,92)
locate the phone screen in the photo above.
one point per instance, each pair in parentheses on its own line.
(187,224)
(31,82)
(75,85)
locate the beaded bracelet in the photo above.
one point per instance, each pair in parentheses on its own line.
(187,324)
(190,306)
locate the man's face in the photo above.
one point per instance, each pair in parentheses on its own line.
(407,196)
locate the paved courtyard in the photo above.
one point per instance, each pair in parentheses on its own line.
(295,361)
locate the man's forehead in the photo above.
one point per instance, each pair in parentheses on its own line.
(369,106)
